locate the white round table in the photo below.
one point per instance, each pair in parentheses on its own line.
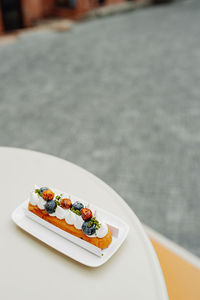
(32,270)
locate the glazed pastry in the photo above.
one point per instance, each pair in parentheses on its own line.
(71,216)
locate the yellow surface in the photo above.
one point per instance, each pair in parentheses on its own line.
(182,279)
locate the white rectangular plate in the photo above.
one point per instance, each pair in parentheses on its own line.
(66,246)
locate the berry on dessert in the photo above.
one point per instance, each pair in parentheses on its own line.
(77,205)
(86,213)
(65,203)
(42,189)
(88,228)
(48,195)
(50,206)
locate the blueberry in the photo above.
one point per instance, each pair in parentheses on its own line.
(78,205)
(50,206)
(42,189)
(88,230)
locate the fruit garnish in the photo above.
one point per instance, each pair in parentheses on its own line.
(77,205)
(86,213)
(42,189)
(88,228)
(65,203)
(50,206)
(48,195)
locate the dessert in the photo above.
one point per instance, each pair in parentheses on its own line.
(70,215)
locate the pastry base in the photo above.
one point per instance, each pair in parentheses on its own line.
(101,243)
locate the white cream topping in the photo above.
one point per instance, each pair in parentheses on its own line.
(70,217)
(60,212)
(53,214)
(41,202)
(102,231)
(78,222)
(34,198)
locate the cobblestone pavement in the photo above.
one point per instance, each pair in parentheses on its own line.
(119,96)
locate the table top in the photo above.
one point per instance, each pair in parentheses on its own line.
(32,270)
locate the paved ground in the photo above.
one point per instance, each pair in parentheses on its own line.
(119,96)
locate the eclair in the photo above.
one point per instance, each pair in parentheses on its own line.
(70,215)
